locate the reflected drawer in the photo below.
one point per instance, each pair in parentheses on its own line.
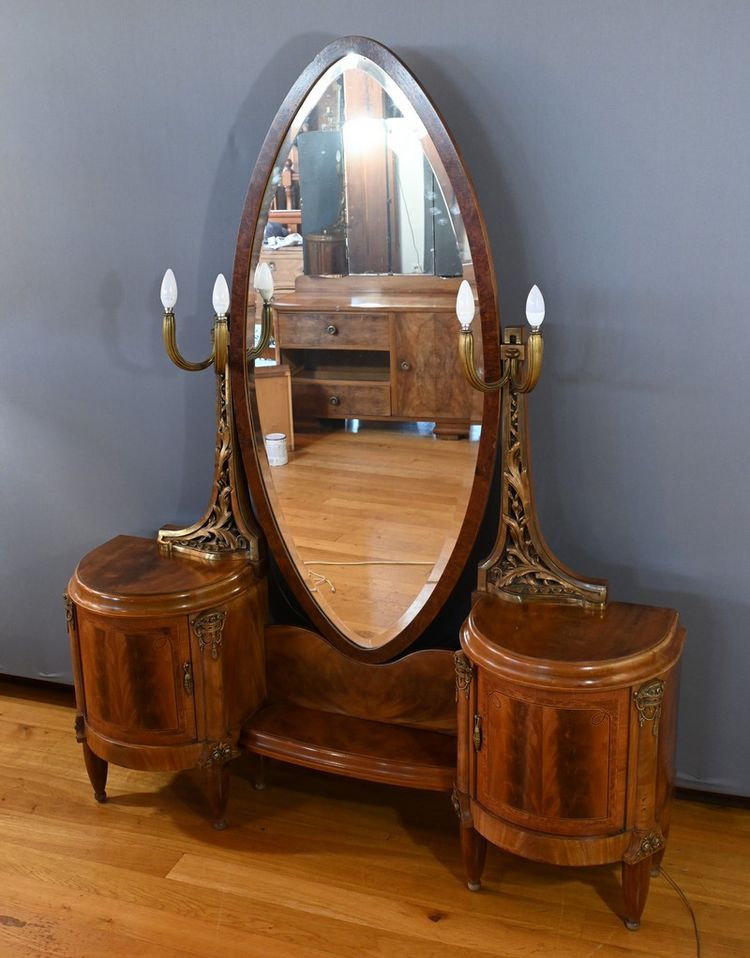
(285,266)
(340,401)
(332,330)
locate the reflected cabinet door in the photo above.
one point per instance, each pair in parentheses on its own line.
(429,382)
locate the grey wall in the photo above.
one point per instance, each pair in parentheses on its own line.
(609,145)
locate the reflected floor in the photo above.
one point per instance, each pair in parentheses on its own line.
(378,494)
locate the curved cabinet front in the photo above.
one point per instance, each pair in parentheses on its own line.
(168,662)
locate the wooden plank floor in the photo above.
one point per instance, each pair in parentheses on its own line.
(313,866)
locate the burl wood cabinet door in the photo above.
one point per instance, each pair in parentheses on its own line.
(428,378)
(137,679)
(552,761)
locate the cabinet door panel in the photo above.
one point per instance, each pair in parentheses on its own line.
(134,677)
(553,761)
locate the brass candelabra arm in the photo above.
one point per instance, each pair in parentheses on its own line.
(170,344)
(525,369)
(265,334)
(466,352)
(521,362)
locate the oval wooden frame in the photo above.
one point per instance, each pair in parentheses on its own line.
(245,263)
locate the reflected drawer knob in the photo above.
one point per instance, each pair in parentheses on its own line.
(334,400)
(406,366)
(272,266)
(331,330)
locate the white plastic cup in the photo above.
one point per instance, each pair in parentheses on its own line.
(276,449)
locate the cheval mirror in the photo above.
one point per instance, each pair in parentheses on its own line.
(358,426)
(359,226)
(361,209)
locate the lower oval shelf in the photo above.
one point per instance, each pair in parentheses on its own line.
(355,747)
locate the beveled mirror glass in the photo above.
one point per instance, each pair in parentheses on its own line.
(371,499)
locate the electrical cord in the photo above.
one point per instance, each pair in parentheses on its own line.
(683,897)
(318,578)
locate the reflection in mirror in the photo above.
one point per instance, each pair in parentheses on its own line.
(362,233)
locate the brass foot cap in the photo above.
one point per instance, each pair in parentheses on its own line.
(259,786)
(220,825)
(473,885)
(655,872)
(100,797)
(632,925)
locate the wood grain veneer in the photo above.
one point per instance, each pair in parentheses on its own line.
(168,660)
(566,725)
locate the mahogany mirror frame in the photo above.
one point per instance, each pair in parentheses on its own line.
(246,411)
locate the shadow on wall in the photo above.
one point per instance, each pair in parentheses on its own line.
(711,675)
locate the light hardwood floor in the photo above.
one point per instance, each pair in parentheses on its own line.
(313,866)
(379,495)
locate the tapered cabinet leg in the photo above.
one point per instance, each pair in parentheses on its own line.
(474,851)
(635,882)
(217,792)
(260,766)
(656,860)
(97,771)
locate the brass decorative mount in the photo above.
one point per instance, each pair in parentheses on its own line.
(521,567)
(226,530)
(521,361)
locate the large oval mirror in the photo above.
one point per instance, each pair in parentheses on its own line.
(367,453)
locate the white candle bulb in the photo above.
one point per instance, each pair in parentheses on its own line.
(263,281)
(221,296)
(465,305)
(168,290)
(535,308)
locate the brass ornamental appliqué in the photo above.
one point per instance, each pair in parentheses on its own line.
(648,699)
(208,628)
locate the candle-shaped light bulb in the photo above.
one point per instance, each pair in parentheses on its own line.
(221,296)
(535,308)
(168,291)
(263,281)
(465,305)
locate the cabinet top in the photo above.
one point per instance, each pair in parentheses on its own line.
(546,644)
(131,576)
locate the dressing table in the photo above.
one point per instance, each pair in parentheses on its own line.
(553,726)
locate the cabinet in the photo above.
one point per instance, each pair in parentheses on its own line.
(357,349)
(168,661)
(566,736)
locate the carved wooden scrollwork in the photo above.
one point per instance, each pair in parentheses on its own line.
(225,531)
(522,567)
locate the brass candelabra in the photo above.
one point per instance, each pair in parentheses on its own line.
(521,360)
(226,530)
(521,567)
